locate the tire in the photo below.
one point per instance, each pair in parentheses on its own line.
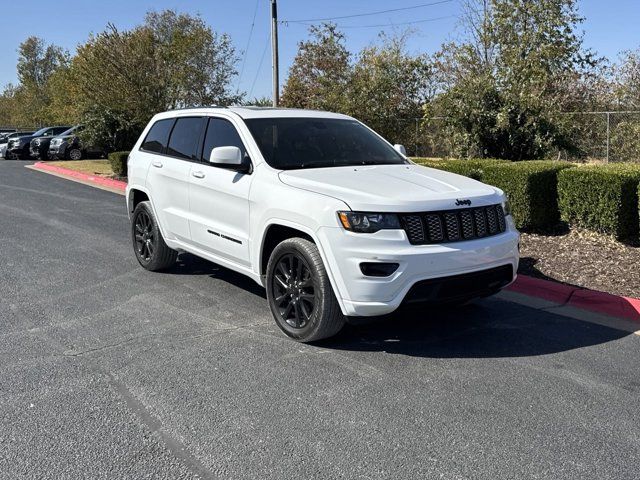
(148,245)
(299,292)
(74,154)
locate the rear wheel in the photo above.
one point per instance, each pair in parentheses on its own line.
(150,248)
(299,292)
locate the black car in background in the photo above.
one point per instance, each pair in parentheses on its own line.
(6,137)
(19,147)
(67,146)
(39,145)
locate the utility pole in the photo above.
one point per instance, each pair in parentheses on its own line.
(274,52)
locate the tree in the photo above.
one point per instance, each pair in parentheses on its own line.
(627,80)
(123,78)
(389,88)
(320,72)
(37,63)
(514,74)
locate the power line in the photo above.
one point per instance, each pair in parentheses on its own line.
(264,51)
(244,55)
(367,14)
(389,24)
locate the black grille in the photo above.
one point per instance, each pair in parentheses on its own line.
(454,225)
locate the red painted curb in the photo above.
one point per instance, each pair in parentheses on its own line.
(105,182)
(585,299)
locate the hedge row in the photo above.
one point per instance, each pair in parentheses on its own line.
(603,198)
(118,161)
(531,186)
(473,168)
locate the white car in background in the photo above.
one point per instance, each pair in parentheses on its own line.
(319,209)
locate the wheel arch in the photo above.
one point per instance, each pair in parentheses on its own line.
(268,243)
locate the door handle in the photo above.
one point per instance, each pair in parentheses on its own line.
(157,164)
(198,174)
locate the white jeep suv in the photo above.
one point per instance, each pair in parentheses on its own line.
(319,209)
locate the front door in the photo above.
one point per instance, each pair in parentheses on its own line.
(219,198)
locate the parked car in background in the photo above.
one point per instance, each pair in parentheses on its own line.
(39,146)
(67,146)
(6,137)
(19,147)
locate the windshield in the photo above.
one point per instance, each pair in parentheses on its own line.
(41,132)
(292,143)
(71,131)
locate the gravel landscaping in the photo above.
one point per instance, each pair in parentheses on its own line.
(584,259)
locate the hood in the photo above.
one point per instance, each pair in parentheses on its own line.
(392,188)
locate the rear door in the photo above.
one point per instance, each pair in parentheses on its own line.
(219,198)
(173,144)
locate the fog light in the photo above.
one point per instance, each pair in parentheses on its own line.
(371,269)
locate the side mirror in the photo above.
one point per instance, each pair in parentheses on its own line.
(400,149)
(231,158)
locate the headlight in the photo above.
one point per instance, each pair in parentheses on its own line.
(56,141)
(505,206)
(368,222)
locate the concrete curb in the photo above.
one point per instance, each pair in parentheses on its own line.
(108,183)
(558,294)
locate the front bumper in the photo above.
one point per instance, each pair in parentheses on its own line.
(361,295)
(57,151)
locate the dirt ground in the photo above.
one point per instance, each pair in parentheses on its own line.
(584,259)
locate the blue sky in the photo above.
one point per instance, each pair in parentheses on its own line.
(610,27)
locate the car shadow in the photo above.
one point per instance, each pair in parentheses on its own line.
(188,264)
(487,328)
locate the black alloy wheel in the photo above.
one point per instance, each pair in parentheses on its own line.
(299,292)
(294,291)
(151,250)
(144,236)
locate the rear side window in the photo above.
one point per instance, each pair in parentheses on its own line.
(185,138)
(221,133)
(156,140)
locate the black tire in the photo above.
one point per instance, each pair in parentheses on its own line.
(148,245)
(308,286)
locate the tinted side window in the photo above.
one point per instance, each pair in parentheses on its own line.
(184,138)
(59,130)
(156,140)
(221,133)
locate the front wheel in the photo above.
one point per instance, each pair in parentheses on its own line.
(75,154)
(300,294)
(150,248)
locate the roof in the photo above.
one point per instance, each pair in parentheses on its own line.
(257,112)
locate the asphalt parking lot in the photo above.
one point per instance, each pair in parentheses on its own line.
(109,371)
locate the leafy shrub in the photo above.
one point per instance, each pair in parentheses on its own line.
(473,168)
(118,161)
(532,188)
(603,198)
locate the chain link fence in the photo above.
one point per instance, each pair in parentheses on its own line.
(608,136)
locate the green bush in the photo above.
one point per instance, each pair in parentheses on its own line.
(532,188)
(118,161)
(603,198)
(473,168)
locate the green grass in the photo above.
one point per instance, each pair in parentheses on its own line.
(91,167)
